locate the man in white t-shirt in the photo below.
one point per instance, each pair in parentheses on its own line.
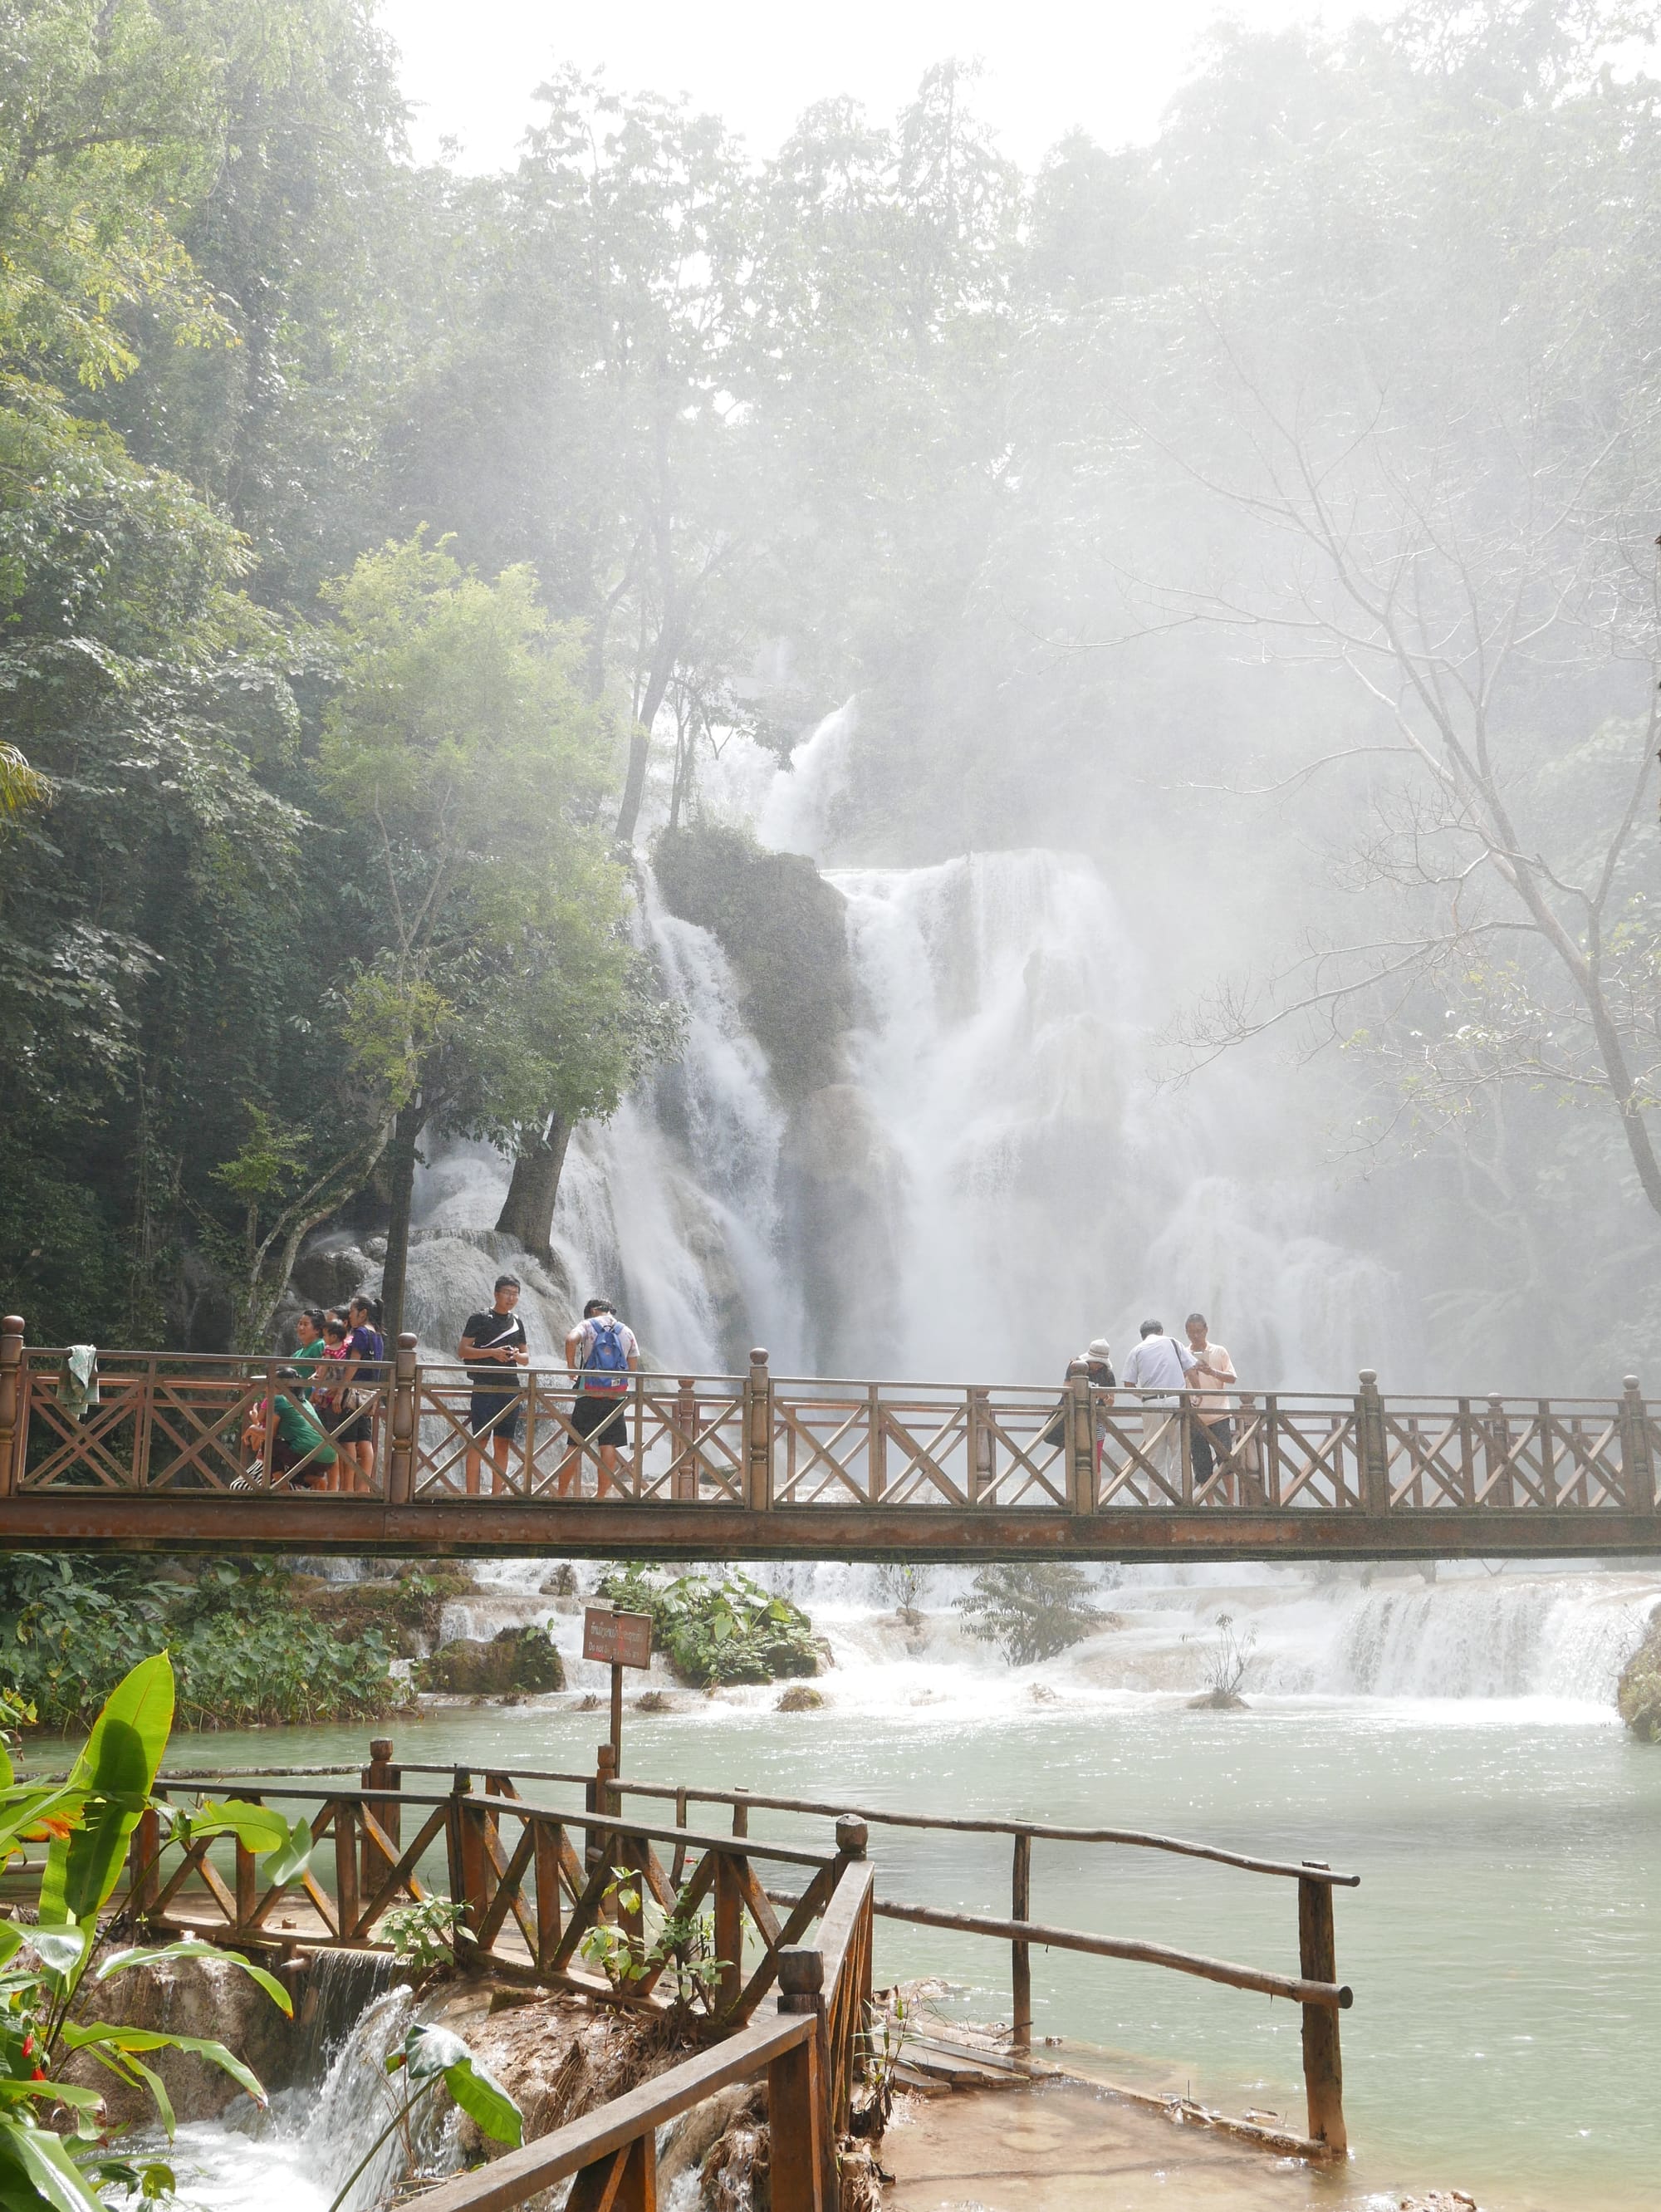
(1158,1371)
(602,1352)
(1213,1374)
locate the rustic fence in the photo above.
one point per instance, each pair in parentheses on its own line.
(527,1902)
(926,1457)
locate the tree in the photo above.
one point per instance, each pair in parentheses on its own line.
(1031,1612)
(1419,409)
(492,959)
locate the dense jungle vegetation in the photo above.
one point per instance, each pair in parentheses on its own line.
(1269,508)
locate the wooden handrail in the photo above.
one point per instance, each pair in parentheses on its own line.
(1338,1996)
(508,2181)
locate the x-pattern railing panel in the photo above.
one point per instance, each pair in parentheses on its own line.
(1034,1467)
(844,1422)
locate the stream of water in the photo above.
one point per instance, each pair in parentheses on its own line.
(1504,1944)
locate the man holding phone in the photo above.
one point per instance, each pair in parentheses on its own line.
(494,1347)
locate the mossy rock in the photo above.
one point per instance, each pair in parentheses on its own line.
(516,1659)
(407,1611)
(784,929)
(799,1698)
(1640,1694)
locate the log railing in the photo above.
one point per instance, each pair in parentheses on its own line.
(526,1909)
(177,1427)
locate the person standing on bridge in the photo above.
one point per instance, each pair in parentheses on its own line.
(1158,1371)
(1212,1432)
(602,1352)
(494,1347)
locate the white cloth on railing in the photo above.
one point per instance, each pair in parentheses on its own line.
(77,1380)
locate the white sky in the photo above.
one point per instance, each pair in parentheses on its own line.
(471,65)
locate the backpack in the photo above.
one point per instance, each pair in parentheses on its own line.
(606,1357)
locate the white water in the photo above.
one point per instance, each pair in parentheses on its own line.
(998,1180)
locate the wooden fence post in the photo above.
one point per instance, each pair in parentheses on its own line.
(11,1395)
(143,1876)
(1323,2067)
(549,1835)
(802,2154)
(1496,1451)
(401,1477)
(758,1434)
(1021,1957)
(247,1873)
(1637,1461)
(346,1868)
(464,1836)
(1082,1446)
(876,1446)
(982,1472)
(386,1813)
(1372,1444)
(683,1481)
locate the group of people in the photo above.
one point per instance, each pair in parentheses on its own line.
(321,1432)
(600,1351)
(1180,1385)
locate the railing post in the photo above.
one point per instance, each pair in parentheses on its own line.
(803,2158)
(1323,2067)
(1374,1445)
(464,1836)
(346,1868)
(143,1874)
(400,1483)
(683,1481)
(548,1836)
(876,1446)
(1637,1461)
(758,1434)
(729,1918)
(1081,1447)
(387,1813)
(247,1873)
(1496,1451)
(980,1444)
(11,1395)
(1021,1957)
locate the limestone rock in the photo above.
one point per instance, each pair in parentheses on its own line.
(208,1997)
(1639,1693)
(799,1698)
(516,1659)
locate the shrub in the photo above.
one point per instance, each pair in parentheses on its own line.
(1030,1612)
(244,1654)
(730,1630)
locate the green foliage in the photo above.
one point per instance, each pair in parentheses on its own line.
(676,1947)
(1030,1612)
(422,1936)
(244,1652)
(86,1821)
(431,2056)
(716,1631)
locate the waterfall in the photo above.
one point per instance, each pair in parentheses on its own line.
(998,1178)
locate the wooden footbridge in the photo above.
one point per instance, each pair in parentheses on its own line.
(562,1879)
(173,1457)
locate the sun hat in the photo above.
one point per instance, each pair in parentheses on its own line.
(1100,1349)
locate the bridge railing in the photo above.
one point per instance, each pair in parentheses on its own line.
(424,1432)
(531,1878)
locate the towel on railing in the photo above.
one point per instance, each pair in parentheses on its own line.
(77,1380)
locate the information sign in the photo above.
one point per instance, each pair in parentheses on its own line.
(621,1639)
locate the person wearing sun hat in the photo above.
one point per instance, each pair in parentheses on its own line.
(1099,1365)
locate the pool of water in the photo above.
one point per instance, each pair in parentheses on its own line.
(1504,1945)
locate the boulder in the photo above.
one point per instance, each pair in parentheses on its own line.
(211,1998)
(799,1698)
(1640,1693)
(516,1659)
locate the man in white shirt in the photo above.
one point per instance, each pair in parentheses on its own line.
(1158,1370)
(1214,1372)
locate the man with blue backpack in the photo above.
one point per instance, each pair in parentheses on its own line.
(602,1353)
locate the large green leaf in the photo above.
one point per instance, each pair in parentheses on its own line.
(255,1825)
(35,2169)
(111,2035)
(117,1768)
(191,1946)
(429,2051)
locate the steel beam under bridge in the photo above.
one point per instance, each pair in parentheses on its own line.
(581,1529)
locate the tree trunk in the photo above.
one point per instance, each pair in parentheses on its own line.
(528,1210)
(401,1180)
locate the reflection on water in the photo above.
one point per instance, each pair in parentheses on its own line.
(1504,1945)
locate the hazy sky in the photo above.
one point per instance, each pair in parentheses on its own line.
(1049,64)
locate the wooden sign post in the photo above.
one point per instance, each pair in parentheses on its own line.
(623,1640)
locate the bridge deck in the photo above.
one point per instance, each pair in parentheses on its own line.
(174,1456)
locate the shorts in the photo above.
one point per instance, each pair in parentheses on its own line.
(484,1408)
(602,1420)
(360,1429)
